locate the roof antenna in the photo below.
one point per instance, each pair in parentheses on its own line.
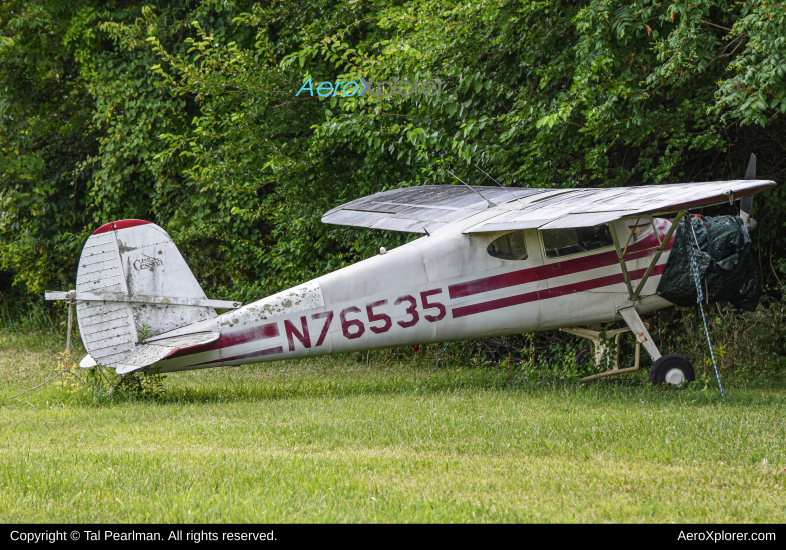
(478,194)
(517,199)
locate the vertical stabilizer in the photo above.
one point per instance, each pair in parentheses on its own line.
(132,258)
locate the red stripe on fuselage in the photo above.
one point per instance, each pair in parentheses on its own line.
(641,249)
(261,332)
(646,247)
(552,292)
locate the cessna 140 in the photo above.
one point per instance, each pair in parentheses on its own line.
(493,261)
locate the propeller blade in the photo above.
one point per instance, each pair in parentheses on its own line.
(750,174)
(746,204)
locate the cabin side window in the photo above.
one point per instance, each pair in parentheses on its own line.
(510,246)
(575,240)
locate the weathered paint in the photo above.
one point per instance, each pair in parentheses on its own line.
(108,329)
(129,259)
(141,299)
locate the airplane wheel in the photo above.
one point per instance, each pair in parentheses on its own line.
(671,369)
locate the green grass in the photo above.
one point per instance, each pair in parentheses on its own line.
(330,440)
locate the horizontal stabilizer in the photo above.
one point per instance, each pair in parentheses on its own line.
(54,295)
(149,354)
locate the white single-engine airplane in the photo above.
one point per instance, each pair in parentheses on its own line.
(494,261)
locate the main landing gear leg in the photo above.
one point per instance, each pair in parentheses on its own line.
(671,369)
(636,326)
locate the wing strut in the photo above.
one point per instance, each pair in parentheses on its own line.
(621,258)
(633,295)
(654,261)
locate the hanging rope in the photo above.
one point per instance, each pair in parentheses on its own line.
(67,370)
(441,356)
(693,246)
(38,386)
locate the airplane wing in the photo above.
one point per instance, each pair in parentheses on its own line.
(414,208)
(411,209)
(589,207)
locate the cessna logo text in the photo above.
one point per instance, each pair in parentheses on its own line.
(384,88)
(146,262)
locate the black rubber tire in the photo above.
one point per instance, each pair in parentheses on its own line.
(664,368)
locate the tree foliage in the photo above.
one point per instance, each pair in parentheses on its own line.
(186,113)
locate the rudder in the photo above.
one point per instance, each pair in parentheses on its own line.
(132,259)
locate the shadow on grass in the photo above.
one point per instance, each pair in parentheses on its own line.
(336,377)
(263,385)
(318,386)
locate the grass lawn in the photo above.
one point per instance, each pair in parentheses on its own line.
(331,440)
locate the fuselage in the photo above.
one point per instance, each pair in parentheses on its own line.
(448,286)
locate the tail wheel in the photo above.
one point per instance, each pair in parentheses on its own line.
(671,369)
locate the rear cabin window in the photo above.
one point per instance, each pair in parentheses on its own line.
(574,240)
(509,247)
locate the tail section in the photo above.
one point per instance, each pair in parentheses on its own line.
(166,348)
(137,268)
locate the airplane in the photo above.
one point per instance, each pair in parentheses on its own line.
(493,261)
